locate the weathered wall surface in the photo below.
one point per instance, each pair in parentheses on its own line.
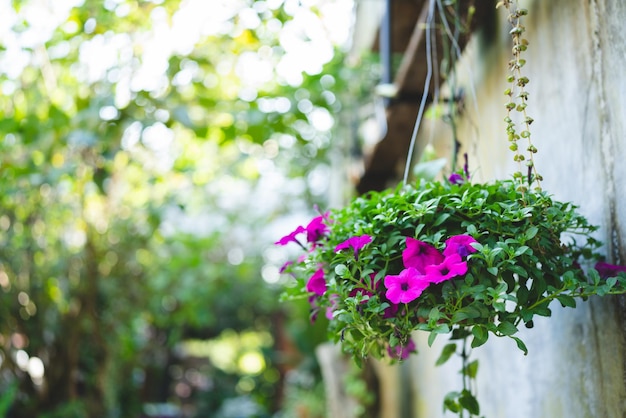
(576,63)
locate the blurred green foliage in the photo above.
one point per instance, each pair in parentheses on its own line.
(134,213)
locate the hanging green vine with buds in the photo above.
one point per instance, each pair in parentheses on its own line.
(457,258)
(519,100)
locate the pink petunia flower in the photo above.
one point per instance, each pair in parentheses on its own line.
(402,352)
(285,266)
(451,266)
(356,243)
(317,283)
(291,237)
(405,287)
(459,244)
(316,229)
(365,288)
(419,254)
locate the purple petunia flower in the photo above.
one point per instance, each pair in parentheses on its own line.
(365,288)
(451,266)
(405,287)
(419,254)
(459,244)
(317,283)
(316,229)
(285,266)
(356,243)
(456,178)
(607,270)
(291,237)
(402,352)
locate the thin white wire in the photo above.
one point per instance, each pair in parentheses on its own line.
(436,85)
(457,49)
(429,73)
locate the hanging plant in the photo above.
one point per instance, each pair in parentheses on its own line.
(458,258)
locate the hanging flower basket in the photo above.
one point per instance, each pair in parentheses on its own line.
(447,258)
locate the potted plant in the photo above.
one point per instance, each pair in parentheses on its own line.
(451,257)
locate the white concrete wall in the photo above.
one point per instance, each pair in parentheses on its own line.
(576,63)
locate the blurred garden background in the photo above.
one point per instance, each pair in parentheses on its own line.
(151,153)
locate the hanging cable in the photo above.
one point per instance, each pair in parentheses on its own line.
(429,73)
(457,49)
(436,85)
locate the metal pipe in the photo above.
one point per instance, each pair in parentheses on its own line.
(385,47)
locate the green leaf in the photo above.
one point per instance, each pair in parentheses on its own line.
(441,219)
(471,370)
(611,281)
(518,269)
(499,306)
(418,229)
(446,353)
(567,301)
(521,250)
(440,329)
(358,360)
(594,276)
(522,294)
(471,311)
(394,341)
(469,402)
(521,345)
(542,310)
(507,328)
(460,316)
(341,270)
(493,270)
(532,231)
(431,338)
(450,403)
(356,335)
(480,336)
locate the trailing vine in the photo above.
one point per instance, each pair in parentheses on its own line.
(518,96)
